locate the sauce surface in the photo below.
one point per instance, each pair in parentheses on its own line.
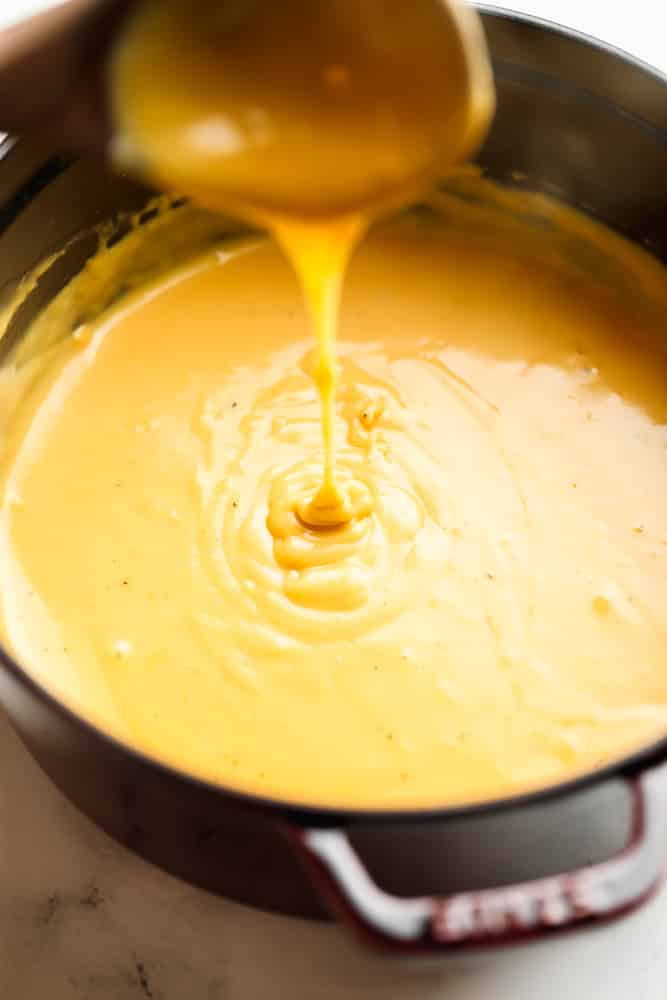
(491,615)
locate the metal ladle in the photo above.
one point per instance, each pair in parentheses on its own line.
(55,80)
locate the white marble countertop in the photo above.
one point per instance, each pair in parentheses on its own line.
(82,919)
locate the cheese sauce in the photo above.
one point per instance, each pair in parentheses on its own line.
(490,614)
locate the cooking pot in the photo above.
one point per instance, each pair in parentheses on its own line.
(577,120)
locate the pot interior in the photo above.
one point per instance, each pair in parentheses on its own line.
(574,122)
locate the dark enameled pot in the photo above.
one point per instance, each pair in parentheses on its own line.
(574,119)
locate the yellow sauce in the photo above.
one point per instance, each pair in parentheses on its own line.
(320,253)
(491,615)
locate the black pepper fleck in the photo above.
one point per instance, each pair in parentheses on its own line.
(143,980)
(49,910)
(93,898)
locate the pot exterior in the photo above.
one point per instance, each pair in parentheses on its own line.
(196,833)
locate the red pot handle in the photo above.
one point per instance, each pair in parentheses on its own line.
(496,916)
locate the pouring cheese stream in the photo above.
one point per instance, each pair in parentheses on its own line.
(309,119)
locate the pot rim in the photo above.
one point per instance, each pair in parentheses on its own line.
(555,27)
(308,813)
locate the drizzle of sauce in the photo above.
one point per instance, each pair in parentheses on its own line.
(320,253)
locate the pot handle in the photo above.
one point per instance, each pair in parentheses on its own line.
(496,916)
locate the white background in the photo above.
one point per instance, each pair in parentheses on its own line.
(60,940)
(639,26)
